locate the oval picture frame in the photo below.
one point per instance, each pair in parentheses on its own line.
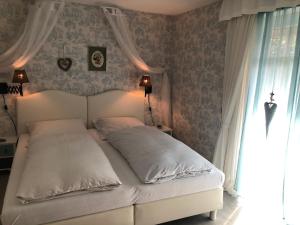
(96,58)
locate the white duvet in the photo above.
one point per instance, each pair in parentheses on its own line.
(157,157)
(64,164)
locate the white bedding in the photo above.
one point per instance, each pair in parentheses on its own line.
(156,157)
(151,192)
(57,209)
(132,191)
(64,164)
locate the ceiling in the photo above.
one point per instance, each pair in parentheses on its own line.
(168,7)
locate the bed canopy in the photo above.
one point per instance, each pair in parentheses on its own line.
(42,18)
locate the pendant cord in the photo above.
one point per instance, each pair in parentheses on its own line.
(272,93)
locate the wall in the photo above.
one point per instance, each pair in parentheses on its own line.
(81,26)
(191,47)
(199,50)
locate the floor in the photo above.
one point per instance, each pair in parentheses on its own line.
(226,216)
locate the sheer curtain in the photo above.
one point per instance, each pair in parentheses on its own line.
(236,8)
(267,166)
(239,35)
(41,19)
(120,27)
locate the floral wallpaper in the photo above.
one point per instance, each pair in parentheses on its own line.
(78,27)
(190,46)
(197,81)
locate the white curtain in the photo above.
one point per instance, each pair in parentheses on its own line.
(240,33)
(236,8)
(41,19)
(120,27)
(269,167)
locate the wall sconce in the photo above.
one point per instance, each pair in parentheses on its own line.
(20,77)
(146,82)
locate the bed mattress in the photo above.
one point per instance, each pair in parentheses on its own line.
(62,208)
(145,193)
(132,191)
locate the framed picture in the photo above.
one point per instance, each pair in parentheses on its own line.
(97,58)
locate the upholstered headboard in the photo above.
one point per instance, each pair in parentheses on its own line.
(53,105)
(49,105)
(116,103)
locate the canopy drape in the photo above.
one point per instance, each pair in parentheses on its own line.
(236,81)
(236,8)
(41,19)
(268,166)
(119,24)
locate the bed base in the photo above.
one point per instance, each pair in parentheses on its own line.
(155,212)
(122,216)
(176,208)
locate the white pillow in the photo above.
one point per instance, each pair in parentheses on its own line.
(110,124)
(55,127)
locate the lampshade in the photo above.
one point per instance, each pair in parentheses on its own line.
(20,77)
(145,81)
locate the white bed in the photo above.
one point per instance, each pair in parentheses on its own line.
(60,208)
(133,202)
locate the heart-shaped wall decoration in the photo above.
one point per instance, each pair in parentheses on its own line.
(270,109)
(64,63)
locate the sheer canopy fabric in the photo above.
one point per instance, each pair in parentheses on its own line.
(273,162)
(236,8)
(41,19)
(239,36)
(120,27)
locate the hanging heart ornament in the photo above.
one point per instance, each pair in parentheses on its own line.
(64,63)
(270,109)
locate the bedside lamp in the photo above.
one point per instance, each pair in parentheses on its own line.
(20,77)
(146,82)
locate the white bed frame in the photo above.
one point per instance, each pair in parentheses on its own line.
(49,105)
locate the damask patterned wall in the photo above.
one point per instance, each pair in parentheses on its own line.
(191,47)
(12,14)
(199,50)
(81,26)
